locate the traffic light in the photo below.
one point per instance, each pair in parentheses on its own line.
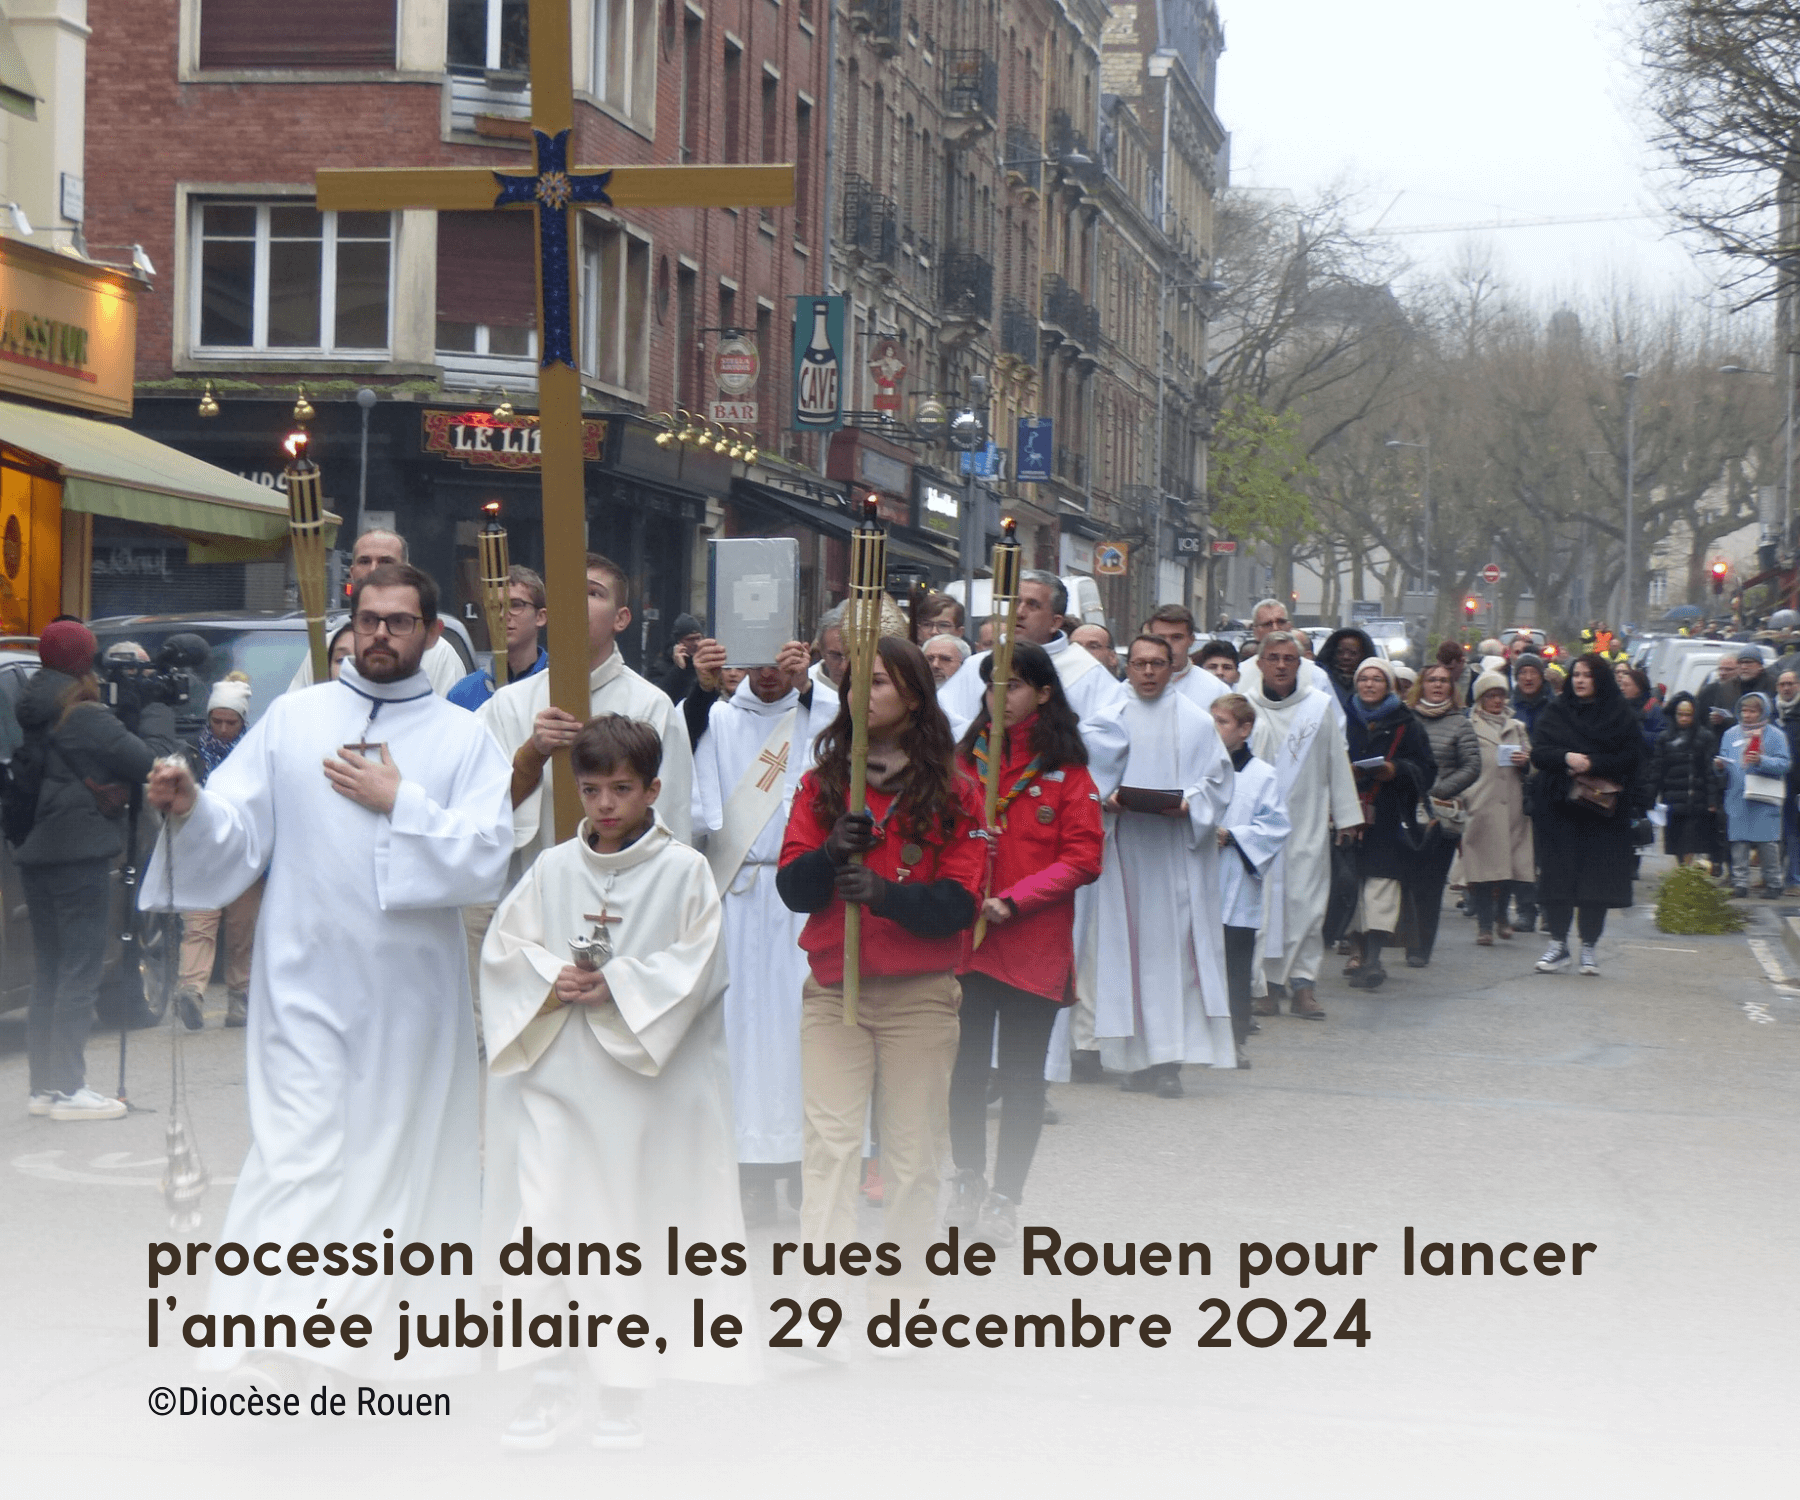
(1719,569)
(1470,607)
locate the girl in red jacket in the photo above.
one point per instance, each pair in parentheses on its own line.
(924,860)
(1048,844)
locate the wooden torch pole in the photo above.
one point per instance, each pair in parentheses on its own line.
(495,566)
(862,630)
(1006,620)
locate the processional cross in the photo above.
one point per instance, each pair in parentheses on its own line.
(554,191)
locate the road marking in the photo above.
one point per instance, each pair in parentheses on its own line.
(43,1165)
(1757,1010)
(1657,948)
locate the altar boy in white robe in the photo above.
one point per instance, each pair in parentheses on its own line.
(531,731)
(601,979)
(1161,998)
(1251,835)
(746,768)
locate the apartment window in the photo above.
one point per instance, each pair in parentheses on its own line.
(622,71)
(765,348)
(693,91)
(615,302)
(771,117)
(734,102)
(283,276)
(486,287)
(487,36)
(327,34)
(802,166)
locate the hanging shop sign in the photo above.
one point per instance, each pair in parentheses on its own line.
(484,441)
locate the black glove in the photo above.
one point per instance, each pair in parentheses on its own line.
(853,833)
(860,884)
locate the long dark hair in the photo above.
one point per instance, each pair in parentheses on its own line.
(1606,685)
(927,803)
(1056,735)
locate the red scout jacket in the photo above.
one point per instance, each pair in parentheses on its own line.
(1049,847)
(933,899)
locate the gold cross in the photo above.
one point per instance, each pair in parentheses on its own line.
(553,193)
(777,765)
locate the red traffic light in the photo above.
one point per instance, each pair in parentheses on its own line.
(1719,569)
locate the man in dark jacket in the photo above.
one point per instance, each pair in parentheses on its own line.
(674,671)
(1530,691)
(91,762)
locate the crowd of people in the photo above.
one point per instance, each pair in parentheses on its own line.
(670,1027)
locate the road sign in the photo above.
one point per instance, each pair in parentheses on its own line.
(1491,573)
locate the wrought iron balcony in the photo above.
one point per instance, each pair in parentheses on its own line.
(967,286)
(887,25)
(1024,154)
(971,83)
(1018,330)
(871,224)
(1067,311)
(1065,139)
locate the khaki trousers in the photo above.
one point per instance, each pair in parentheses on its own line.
(200,937)
(907,1030)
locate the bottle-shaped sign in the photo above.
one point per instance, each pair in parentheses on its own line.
(816,396)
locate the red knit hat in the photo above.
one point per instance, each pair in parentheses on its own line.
(67,646)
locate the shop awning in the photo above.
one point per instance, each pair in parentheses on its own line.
(827,520)
(110,470)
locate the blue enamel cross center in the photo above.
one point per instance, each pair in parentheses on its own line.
(556,192)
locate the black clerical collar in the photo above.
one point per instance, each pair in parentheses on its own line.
(1240,757)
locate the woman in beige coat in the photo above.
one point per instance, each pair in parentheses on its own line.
(1496,844)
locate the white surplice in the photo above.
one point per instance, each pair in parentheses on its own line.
(442,667)
(762,937)
(613,1122)
(1161,995)
(613,688)
(1312,675)
(1302,738)
(360,1071)
(1199,686)
(1258,823)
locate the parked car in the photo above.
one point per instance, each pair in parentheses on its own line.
(268,648)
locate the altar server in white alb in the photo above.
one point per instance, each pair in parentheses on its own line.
(612,1092)
(442,667)
(1300,733)
(531,732)
(1161,998)
(746,768)
(1251,834)
(1175,624)
(378,810)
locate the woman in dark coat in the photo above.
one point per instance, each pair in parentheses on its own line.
(1439,709)
(1343,652)
(1586,856)
(1381,727)
(1682,778)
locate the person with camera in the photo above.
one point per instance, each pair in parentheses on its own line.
(87,763)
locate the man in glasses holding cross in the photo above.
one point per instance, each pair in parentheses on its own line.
(378,810)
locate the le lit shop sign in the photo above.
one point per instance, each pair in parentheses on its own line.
(483,441)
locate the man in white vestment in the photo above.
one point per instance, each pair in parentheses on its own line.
(378,810)
(1174,623)
(442,665)
(1271,615)
(1299,733)
(609,1072)
(531,731)
(746,768)
(1161,998)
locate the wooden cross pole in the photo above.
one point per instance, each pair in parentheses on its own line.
(553,191)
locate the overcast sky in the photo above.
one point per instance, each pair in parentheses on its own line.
(1470,112)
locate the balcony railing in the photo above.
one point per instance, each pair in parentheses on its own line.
(967,286)
(1065,139)
(971,83)
(1024,154)
(887,26)
(871,224)
(1067,310)
(1018,330)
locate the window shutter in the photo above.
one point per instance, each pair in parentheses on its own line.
(484,269)
(325,34)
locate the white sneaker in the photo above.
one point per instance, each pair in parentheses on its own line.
(1590,960)
(85,1104)
(1555,959)
(41,1104)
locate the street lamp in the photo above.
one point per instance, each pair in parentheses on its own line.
(1631,385)
(968,431)
(1787,461)
(1425,580)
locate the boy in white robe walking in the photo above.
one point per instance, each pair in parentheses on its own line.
(611,1063)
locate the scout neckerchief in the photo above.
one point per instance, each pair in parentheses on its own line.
(1030,774)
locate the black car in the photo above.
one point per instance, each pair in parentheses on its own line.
(268,648)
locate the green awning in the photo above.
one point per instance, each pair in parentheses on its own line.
(110,470)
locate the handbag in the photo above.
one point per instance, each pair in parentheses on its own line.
(1595,793)
(1770,789)
(1450,814)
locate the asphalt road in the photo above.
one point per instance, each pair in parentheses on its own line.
(1651,1113)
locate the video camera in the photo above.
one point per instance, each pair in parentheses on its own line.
(129,682)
